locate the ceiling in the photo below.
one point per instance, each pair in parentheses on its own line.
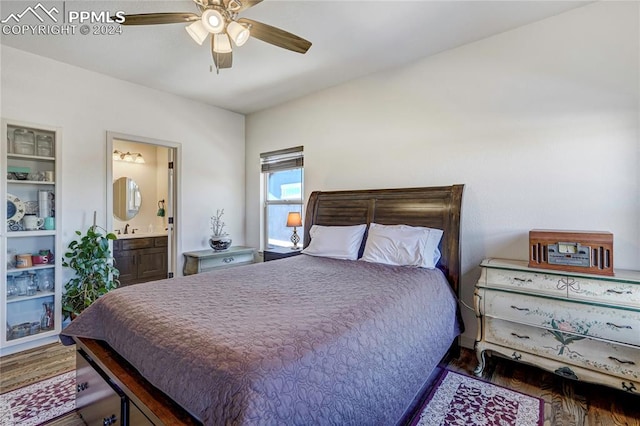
(351,38)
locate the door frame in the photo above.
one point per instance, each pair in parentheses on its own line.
(173,204)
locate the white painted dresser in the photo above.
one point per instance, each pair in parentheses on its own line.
(581,326)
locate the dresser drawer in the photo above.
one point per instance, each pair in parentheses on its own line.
(160,241)
(603,291)
(97,401)
(529,282)
(233,259)
(207,260)
(619,360)
(136,243)
(618,325)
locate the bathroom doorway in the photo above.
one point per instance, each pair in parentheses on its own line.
(142,194)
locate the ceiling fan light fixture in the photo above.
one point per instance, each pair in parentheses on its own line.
(221,43)
(238,33)
(213,21)
(198,32)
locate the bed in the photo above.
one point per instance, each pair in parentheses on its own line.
(303,340)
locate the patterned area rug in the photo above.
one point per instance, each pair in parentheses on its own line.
(37,403)
(464,400)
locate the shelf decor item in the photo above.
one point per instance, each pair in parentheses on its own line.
(95,275)
(15,209)
(219,240)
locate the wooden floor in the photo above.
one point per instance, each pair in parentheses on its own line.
(25,368)
(34,365)
(567,403)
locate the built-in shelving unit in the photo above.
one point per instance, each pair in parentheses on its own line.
(31,276)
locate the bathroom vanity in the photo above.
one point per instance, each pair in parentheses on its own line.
(140,258)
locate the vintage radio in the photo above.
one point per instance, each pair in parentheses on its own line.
(590,252)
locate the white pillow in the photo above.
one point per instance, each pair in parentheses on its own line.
(338,242)
(403,245)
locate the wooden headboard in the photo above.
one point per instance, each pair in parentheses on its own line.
(434,207)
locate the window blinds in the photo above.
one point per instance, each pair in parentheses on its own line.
(282,159)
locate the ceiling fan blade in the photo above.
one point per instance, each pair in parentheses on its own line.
(159,18)
(238,6)
(221,60)
(276,36)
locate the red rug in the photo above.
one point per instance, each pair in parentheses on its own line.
(37,403)
(464,400)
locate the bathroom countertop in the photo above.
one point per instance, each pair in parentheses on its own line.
(142,235)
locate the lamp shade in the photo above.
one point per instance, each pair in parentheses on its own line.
(198,32)
(213,21)
(238,33)
(221,43)
(139,159)
(294,219)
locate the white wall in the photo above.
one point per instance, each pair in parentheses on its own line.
(540,123)
(87,105)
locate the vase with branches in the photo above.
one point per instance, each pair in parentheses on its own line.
(219,240)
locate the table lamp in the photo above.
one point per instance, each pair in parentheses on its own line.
(293,220)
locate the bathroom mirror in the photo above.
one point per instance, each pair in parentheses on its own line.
(126,198)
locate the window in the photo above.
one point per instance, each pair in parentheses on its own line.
(282,172)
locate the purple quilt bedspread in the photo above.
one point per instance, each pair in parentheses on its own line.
(303,340)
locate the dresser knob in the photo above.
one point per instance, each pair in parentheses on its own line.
(519,336)
(108,421)
(619,326)
(621,361)
(610,290)
(228,259)
(82,386)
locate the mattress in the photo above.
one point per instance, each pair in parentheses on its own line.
(303,340)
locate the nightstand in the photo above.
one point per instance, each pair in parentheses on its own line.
(207,260)
(276,253)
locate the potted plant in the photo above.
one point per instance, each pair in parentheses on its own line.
(91,260)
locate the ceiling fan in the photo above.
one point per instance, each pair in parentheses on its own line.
(219,18)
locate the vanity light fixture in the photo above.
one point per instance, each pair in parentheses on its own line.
(129,157)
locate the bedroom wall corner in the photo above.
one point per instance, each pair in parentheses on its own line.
(87,104)
(541,123)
